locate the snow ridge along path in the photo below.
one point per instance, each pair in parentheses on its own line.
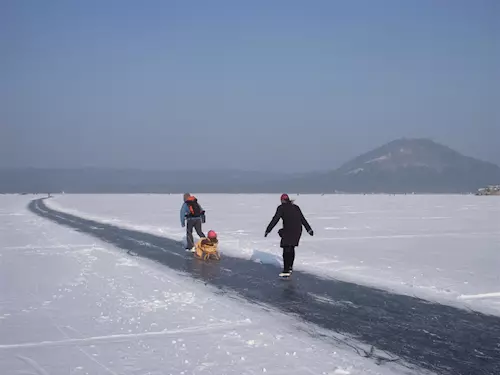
(439,338)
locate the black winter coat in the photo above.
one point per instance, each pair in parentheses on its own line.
(293,220)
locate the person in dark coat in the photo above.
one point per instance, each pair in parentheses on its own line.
(290,234)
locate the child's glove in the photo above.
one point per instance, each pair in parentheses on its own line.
(311,232)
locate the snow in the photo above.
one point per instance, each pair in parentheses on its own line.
(356,171)
(72,303)
(381,158)
(437,247)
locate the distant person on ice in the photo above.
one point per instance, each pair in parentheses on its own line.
(290,234)
(192,216)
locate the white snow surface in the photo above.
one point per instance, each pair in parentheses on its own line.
(444,248)
(71,304)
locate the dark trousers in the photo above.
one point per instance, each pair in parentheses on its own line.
(288,258)
(196,224)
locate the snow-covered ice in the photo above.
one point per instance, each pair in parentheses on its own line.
(75,303)
(71,304)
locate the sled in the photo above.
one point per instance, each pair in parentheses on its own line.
(206,251)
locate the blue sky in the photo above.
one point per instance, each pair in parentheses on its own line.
(269,85)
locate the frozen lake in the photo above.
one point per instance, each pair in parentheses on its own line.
(445,248)
(99,284)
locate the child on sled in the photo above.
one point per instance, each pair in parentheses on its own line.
(207,247)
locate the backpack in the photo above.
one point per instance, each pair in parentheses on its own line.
(194,207)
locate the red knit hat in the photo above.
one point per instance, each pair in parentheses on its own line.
(212,235)
(285,197)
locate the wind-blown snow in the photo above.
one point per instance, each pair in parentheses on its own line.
(437,247)
(70,304)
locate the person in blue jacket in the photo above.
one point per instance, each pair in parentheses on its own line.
(192,216)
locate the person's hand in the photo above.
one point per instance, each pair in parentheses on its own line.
(265,234)
(311,232)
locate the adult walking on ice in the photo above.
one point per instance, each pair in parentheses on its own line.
(290,234)
(192,216)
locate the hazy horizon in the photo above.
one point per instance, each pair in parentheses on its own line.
(170,168)
(257,86)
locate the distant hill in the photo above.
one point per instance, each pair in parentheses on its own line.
(405,166)
(401,166)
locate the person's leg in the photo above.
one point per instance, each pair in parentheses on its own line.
(197,227)
(189,234)
(287,258)
(292,257)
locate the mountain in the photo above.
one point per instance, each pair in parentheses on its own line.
(405,166)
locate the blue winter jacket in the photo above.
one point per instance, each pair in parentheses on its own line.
(185,211)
